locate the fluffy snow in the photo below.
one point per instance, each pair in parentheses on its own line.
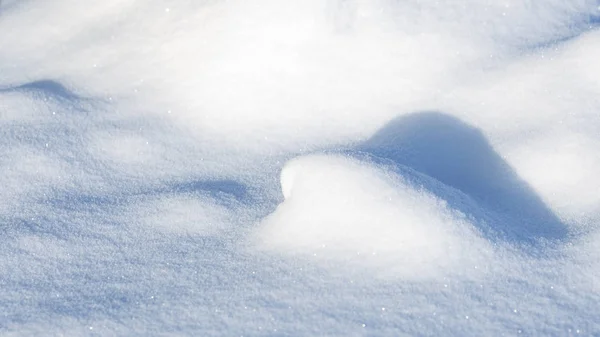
(315,167)
(342,209)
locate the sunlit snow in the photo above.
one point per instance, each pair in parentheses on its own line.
(300,167)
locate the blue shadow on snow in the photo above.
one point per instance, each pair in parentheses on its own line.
(458,155)
(44,88)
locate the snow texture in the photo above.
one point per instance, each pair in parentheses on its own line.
(299,167)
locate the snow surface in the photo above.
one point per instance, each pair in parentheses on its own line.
(314,167)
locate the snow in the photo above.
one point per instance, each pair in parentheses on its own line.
(337,167)
(337,208)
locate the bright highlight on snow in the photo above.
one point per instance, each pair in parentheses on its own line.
(337,167)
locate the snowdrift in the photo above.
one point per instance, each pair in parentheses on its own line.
(338,167)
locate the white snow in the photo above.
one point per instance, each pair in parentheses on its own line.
(341,209)
(288,167)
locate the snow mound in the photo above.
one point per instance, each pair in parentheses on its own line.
(345,209)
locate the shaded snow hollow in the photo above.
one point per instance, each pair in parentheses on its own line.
(315,167)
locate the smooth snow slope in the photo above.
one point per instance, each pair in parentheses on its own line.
(314,167)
